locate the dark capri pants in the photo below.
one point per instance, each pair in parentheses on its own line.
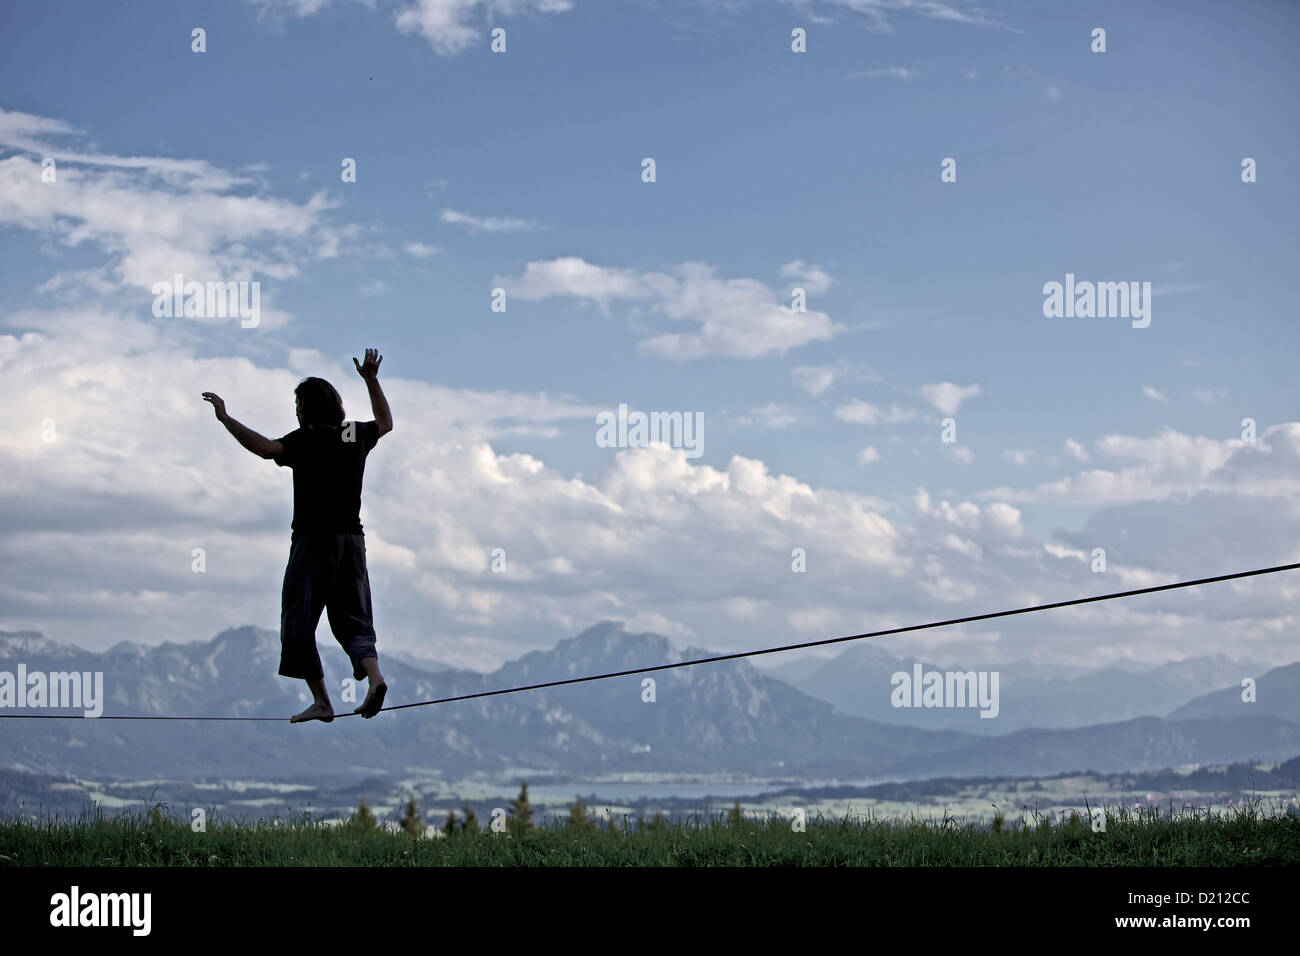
(326,571)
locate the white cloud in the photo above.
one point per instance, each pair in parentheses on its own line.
(1152,393)
(879,11)
(1002,516)
(146,474)
(37,135)
(453,26)
(487,223)
(1209,396)
(896,72)
(295,8)
(813,279)
(868,456)
(576,278)
(771,415)
(1020,456)
(858,412)
(818,379)
(960,454)
(1173,464)
(947,397)
(737,318)
(422,250)
(154,218)
(815,379)
(448,25)
(1075,450)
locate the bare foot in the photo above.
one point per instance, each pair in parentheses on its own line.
(374,701)
(317,711)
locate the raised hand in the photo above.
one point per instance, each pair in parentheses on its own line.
(218,405)
(370,368)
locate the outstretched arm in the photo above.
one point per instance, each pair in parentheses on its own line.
(259,445)
(369,371)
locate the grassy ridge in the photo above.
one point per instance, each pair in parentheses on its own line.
(1243,837)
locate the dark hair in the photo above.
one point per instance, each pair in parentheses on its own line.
(321,404)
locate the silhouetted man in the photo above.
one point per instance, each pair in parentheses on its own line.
(327,554)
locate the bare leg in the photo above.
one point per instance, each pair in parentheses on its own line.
(374,701)
(321,708)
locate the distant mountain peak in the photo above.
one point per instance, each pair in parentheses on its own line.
(602,629)
(24,643)
(607,636)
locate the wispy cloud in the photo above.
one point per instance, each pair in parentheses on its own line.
(448,26)
(879,11)
(154,217)
(421,250)
(818,379)
(736,318)
(858,412)
(812,278)
(771,415)
(487,223)
(896,72)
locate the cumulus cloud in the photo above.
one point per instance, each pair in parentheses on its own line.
(1173,464)
(1153,393)
(947,397)
(437,501)
(574,277)
(143,475)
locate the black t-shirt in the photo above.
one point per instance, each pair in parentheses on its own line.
(327,470)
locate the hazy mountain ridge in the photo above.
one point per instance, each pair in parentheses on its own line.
(725,716)
(1277,693)
(858,682)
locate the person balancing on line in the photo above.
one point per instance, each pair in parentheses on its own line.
(327,553)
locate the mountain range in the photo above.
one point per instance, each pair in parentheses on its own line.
(858,682)
(721,717)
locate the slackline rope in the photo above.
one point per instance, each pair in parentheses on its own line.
(721,657)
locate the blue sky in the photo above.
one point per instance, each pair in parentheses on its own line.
(774,169)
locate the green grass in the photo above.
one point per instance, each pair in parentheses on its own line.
(1242,837)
